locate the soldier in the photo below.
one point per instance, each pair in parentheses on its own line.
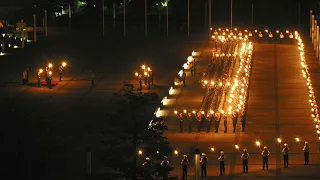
(92,79)
(145,78)
(306,150)
(285,152)
(210,119)
(234,122)
(151,77)
(245,157)
(291,38)
(270,37)
(165,168)
(140,82)
(27,75)
(281,37)
(250,35)
(222,159)
(217,122)
(223,33)
(185,164)
(60,72)
(149,82)
(215,33)
(198,118)
(39,77)
(24,77)
(225,123)
(203,162)
(147,169)
(184,78)
(231,33)
(243,122)
(260,36)
(240,34)
(180,117)
(265,156)
(189,116)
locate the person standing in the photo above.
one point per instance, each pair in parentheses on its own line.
(140,83)
(185,165)
(165,168)
(281,38)
(60,72)
(222,159)
(225,123)
(265,156)
(285,152)
(180,117)
(147,169)
(260,36)
(270,37)
(234,122)
(24,77)
(203,162)
(184,78)
(306,150)
(245,157)
(151,77)
(27,75)
(243,122)
(291,38)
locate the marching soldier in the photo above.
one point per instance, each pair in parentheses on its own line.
(140,82)
(149,82)
(222,159)
(24,77)
(265,156)
(243,122)
(240,34)
(198,118)
(151,77)
(189,116)
(185,164)
(223,33)
(203,162)
(217,122)
(270,37)
(180,117)
(210,119)
(165,168)
(184,78)
(260,36)
(245,157)
(225,123)
(60,72)
(285,152)
(147,169)
(145,78)
(281,37)
(291,38)
(231,33)
(250,35)
(234,122)
(306,150)
(92,79)
(215,33)
(27,75)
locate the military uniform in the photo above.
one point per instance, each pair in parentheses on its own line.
(245,157)
(306,150)
(285,152)
(222,159)
(203,162)
(265,156)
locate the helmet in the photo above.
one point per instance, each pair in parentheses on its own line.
(245,150)
(203,154)
(265,147)
(221,152)
(285,144)
(306,142)
(147,159)
(185,156)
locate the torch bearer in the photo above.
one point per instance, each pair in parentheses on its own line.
(50,79)
(63,65)
(39,76)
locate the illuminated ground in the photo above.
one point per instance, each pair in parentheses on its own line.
(277,107)
(46,132)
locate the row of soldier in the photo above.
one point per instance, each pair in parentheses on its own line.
(201,120)
(265,153)
(279,35)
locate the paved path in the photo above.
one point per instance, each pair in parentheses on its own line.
(277,107)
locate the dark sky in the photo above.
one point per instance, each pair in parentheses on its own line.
(16,2)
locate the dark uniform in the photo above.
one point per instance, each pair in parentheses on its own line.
(260,36)
(147,169)
(203,162)
(140,83)
(189,116)
(285,152)
(270,37)
(180,116)
(165,168)
(222,159)
(306,150)
(24,77)
(225,123)
(265,156)
(234,122)
(245,157)
(281,38)
(243,122)
(291,38)
(185,164)
(217,122)
(60,71)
